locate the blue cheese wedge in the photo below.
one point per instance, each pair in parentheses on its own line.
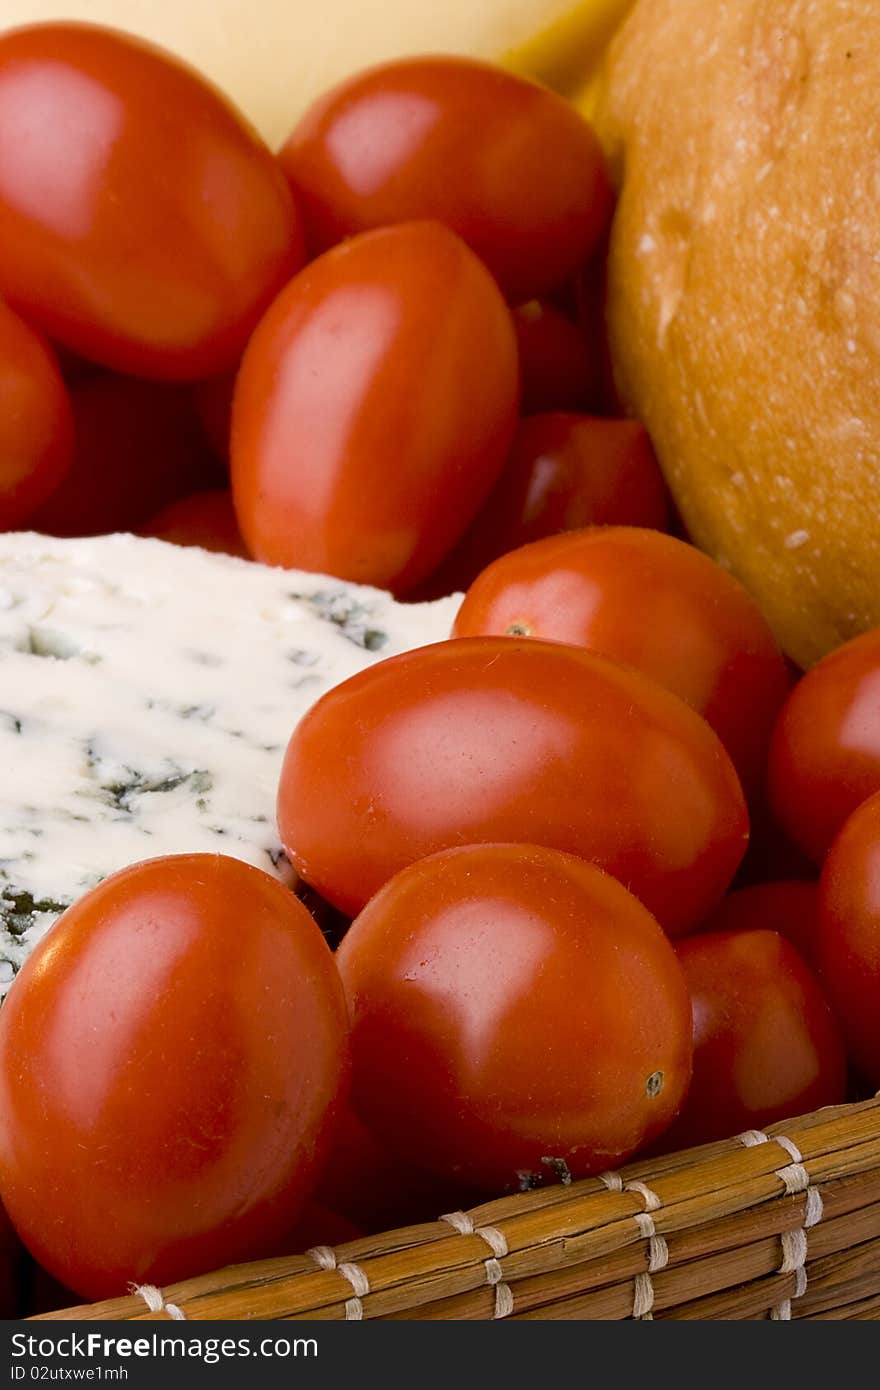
(147,696)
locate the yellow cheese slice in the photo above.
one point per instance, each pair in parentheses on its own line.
(274,57)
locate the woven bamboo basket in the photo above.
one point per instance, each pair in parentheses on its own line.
(783,1224)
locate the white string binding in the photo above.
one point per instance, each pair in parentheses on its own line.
(795,1179)
(155,1301)
(497,1243)
(325,1258)
(658,1250)
(613,1181)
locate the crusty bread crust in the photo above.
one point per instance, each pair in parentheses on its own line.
(744,289)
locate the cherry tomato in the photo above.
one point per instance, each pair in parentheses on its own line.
(490,739)
(374,408)
(138,445)
(36,434)
(558,370)
(205,519)
(563,473)
(508,165)
(849,934)
(766,1045)
(516,1015)
(790,908)
(142,221)
(659,605)
(825,754)
(172,1058)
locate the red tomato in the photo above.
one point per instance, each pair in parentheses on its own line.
(564,472)
(558,370)
(790,908)
(766,1045)
(490,739)
(508,165)
(516,1014)
(138,445)
(205,519)
(374,408)
(849,934)
(142,221)
(825,754)
(659,605)
(172,1058)
(36,434)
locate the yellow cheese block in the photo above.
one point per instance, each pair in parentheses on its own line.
(274,57)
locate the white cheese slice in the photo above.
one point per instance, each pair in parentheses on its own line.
(146,698)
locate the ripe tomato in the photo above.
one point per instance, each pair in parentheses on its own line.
(789,907)
(656,603)
(564,472)
(142,221)
(36,434)
(172,1058)
(766,1045)
(515,1014)
(374,408)
(508,165)
(490,739)
(137,446)
(205,519)
(849,934)
(558,368)
(825,754)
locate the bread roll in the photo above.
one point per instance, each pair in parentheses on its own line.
(744,289)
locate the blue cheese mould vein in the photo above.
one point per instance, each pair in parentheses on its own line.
(121,792)
(352,618)
(148,696)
